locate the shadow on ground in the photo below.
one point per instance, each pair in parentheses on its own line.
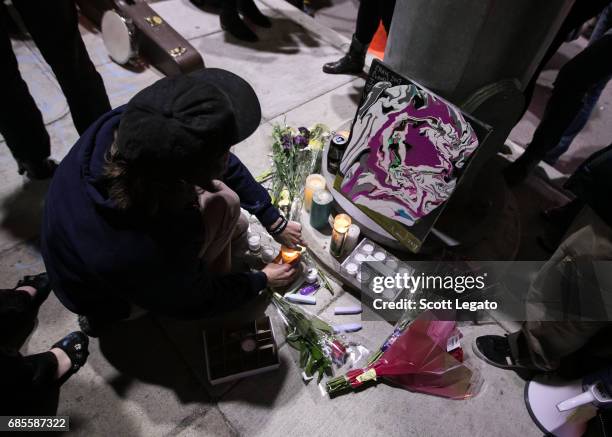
(23,209)
(139,350)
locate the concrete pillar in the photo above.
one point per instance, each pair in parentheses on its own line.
(479,55)
(455,47)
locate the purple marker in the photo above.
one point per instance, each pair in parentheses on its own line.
(309,289)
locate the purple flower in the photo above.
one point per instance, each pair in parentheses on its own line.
(304,132)
(300,141)
(286,141)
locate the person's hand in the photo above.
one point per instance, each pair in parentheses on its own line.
(291,236)
(280,275)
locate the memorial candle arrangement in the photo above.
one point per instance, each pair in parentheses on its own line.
(314,183)
(342,222)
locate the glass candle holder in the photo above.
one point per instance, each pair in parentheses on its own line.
(268,254)
(314,182)
(290,255)
(341,224)
(320,209)
(254,240)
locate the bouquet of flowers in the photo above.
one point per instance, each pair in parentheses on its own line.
(419,356)
(296,153)
(313,338)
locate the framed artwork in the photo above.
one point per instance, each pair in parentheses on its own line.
(407,151)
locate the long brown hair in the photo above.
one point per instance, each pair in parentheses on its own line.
(131,189)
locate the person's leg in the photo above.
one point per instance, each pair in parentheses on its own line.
(543,345)
(386,13)
(575,78)
(21,123)
(43,368)
(604,24)
(368,18)
(221,213)
(53,26)
(18,307)
(565,292)
(249,10)
(232,23)
(576,126)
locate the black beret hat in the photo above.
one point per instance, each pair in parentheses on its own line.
(178,122)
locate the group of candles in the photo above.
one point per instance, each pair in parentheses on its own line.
(269,253)
(318,201)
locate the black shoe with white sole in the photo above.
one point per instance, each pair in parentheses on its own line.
(495,350)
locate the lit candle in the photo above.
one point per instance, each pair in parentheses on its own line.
(314,182)
(290,256)
(341,226)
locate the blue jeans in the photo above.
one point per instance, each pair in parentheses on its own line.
(603,26)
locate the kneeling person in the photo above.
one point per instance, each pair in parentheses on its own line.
(143,209)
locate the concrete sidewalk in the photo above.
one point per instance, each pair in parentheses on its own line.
(147,377)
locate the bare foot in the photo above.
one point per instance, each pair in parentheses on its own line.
(63,362)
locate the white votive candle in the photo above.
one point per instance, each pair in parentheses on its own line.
(380,256)
(359,258)
(268,254)
(254,242)
(391,263)
(351,269)
(367,248)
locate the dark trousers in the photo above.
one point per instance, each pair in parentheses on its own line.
(53,25)
(574,81)
(581,11)
(369,15)
(27,384)
(572,346)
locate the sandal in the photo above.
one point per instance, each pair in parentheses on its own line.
(75,345)
(40,283)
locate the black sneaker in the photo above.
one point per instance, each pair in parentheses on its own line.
(40,283)
(75,345)
(495,350)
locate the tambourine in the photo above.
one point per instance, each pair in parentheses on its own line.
(119,36)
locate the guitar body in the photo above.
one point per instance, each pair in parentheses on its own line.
(153,38)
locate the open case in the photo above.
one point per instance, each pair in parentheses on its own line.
(239,350)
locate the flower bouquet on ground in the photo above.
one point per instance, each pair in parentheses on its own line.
(296,153)
(423,355)
(319,348)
